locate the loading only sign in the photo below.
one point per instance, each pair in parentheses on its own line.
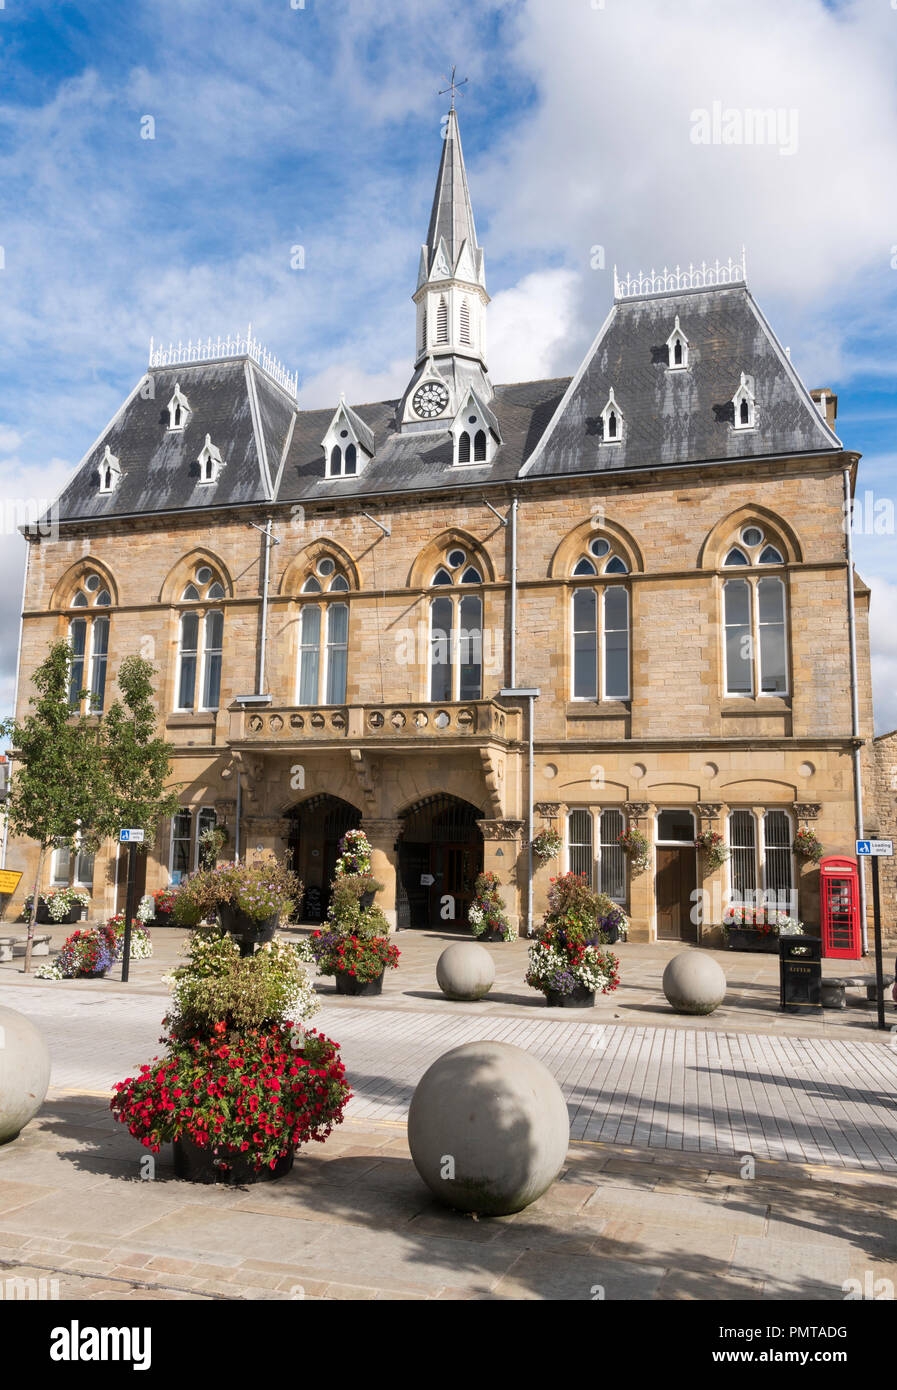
(875,850)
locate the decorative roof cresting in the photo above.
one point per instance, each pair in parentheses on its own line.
(696,277)
(214,349)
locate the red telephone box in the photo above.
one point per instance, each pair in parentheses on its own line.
(840,893)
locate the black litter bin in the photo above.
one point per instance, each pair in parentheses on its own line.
(800,974)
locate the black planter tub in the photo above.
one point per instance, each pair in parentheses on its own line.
(249,932)
(196,1164)
(581,998)
(348,984)
(749,939)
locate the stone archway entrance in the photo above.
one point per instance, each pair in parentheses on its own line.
(316,828)
(440,854)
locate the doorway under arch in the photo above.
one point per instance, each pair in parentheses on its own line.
(440,854)
(316,828)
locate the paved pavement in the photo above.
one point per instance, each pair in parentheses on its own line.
(710,1159)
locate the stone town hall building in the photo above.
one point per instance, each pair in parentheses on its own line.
(340,604)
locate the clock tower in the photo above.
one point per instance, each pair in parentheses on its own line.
(451,302)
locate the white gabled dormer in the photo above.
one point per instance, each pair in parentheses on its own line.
(475,432)
(211,463)
(348,444)
(611,421)
(745,404)
(178,409)
(110,471)
(677,349)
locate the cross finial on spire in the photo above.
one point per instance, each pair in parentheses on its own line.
(453,87)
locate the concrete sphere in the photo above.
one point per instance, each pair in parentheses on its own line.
(488,1128)
(465,971)
(24,1072)
(694,983)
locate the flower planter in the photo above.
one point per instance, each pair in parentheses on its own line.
(43,918)
(367,900)
(196,1164)
(163,919)
(611,935)
(746,939)
(90,975)
(349,984)
(580,998)
(247,930)
(493,934)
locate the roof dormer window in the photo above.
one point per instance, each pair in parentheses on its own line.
(110,471)
(677,349)
(745,405)
(611,421)
(348,443)
(475,432)
(211,463)
(178,409)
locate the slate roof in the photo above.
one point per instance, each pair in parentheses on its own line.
(550,428)
(682,416)
(234,402)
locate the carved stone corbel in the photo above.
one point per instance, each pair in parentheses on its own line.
(807,810)
(367,776)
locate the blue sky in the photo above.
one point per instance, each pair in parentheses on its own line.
(320,126)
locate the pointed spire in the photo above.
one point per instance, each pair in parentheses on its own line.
(451,218)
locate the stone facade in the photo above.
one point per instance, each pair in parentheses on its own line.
(678,742)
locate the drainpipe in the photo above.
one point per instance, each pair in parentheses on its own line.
(531,694)
(513,672)
(855,705)
(237,817)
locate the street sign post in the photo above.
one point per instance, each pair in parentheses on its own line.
(131,838)
(875,850)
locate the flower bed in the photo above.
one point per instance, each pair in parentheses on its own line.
(757,928)
(60,905)
(361,958)
(486,915)
(567,959)
(86,954)
(242,1083)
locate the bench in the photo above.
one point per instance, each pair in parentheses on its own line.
(6,945)
(40,945)
(835,987)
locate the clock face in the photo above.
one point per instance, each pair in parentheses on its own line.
(430,400)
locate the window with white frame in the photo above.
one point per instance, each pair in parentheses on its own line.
(186,829)
(89,641)
(754,618)
(323,637)
(200,643)
(456,630)
(600,628)
(593,849)
(761,862)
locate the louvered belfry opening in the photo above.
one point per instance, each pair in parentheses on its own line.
(440,840)
(316,827)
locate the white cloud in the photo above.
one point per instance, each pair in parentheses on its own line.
(883,636)
(530,326)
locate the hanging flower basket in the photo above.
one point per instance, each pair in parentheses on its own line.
(807,845)
(547,845)
(713,848)
(636,848)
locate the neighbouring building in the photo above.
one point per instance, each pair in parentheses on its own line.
(341,603)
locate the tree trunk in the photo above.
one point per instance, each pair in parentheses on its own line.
(29,940)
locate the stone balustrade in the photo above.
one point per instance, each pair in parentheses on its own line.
(383,722)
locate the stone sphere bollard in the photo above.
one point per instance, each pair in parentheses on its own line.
(694,983)
(488,1128)
(24,1072)
(465,971)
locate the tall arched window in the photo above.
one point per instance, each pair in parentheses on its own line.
(89,641)
(324,638)
(351,459)
(464,447)
(600,628)
(456,631)
(479,446)
(755,618)
(200,643)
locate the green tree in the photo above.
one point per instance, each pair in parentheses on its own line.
(57,771)
(136,763)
